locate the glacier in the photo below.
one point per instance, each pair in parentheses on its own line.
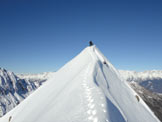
(86,89)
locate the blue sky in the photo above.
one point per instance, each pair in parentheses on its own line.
(42,35)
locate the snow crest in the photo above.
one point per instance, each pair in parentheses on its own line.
(86,89)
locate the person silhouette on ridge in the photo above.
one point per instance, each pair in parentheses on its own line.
(90,43)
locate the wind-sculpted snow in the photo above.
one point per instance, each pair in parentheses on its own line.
(86,89)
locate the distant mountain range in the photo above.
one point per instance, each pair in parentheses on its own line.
(151,80)
(16,87)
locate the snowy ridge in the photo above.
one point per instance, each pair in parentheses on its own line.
(86,89)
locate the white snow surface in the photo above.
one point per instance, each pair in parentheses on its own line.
(84,90)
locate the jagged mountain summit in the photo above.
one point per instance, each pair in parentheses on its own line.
(15,88)
(86,89)
(12,90)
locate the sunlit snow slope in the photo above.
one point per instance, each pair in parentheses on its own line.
(86,89)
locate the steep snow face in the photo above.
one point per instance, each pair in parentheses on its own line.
(14,89)
(151,80)
(87,89)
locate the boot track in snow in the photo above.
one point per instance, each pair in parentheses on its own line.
(86,89)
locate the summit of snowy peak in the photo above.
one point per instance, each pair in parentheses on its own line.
(86,89)
(3,70)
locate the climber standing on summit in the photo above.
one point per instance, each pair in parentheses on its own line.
(90,43)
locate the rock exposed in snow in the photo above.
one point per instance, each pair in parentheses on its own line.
(152,99)
(14,89)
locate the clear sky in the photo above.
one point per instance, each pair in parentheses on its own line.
(42,35)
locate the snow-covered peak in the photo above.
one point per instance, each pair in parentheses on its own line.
(14,89)
(87,89)
(7,78)
(4,72)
